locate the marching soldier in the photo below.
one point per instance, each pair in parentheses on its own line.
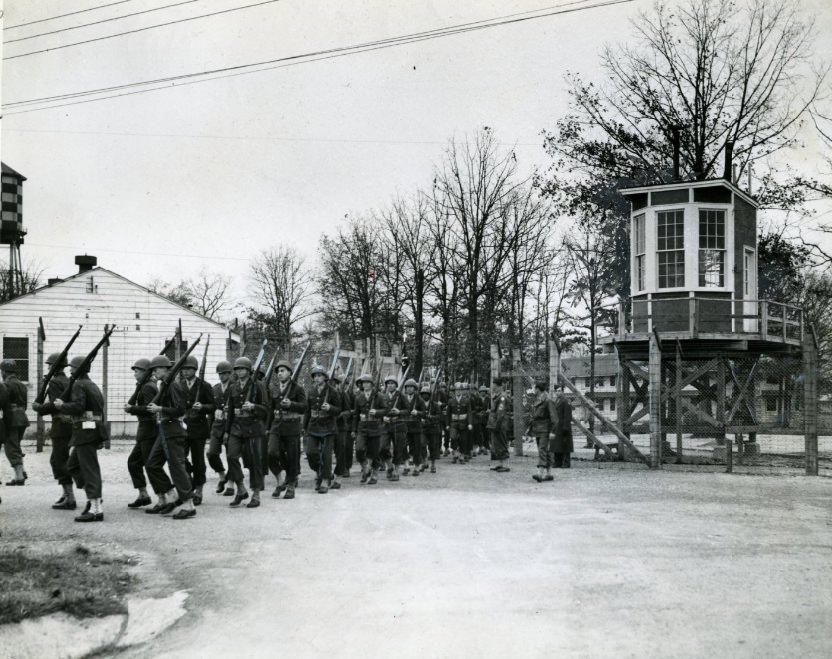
(5,413)
(499,424)
(60,432)
(199,408)
(343,439)
(413,409)
(432,427)
(397,428)
(169,445)
(561,444)
(542,426)
(247,411)
(443,396)
(324,407)
(482,419)
(218,435)
(145,433)
(85,407)
(288,405)
(17,423)
(368,410)
(459,422)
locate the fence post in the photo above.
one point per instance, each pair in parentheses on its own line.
(655,397)
(554,366)
(41,425)
(622,325)
(810,400)
(495,363)
(517,395)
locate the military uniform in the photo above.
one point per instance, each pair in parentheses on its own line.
(320,430)
(432,427)
(145,436)
(284,436)
(60,433)
(499,424)
(198,422)
(219,394)
(542,424)
(460,420)
(368,410)
(86,409)
(413,409)
(343,436)
(246,431)
(395,446)
(561,446)
(17,423)
(170,445)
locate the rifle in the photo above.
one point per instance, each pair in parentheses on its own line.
(270,370)
(84,366)
(57,366)
(400,387)
(202,370)
(148,373)
(247,388)
(418,387)
(332,372)
(346,376)
(433,391)
(295,373)
(173,372)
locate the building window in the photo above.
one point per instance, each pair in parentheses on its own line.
(612,380)
(17,349)
(170,353)
(711,247)
(671,248)
(612,404)
(771,404)
(638,245)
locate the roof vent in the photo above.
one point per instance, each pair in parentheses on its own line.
(85,263)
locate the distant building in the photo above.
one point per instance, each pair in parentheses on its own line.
(95,297)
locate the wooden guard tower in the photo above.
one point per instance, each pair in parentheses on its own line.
(695,344)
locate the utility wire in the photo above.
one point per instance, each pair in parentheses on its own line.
(291,60)
(72,13)
(104,20)
(141,29)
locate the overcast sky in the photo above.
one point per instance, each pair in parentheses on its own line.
(159,184)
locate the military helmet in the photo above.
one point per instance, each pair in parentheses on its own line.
(364,377)
(160,361)
(224,367)
(75,362)
(54,357)
(141,363)
(242,362)
(411,383)
(457,386)
(284,364)
(483,389)
(317,369)
(191,362)
(336,377)
(8,365)
(425,389)
(393,379)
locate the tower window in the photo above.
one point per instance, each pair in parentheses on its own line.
(711,247)
(670,227)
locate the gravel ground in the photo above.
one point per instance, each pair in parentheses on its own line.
(608,560)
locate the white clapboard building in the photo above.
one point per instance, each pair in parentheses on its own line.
(95,298)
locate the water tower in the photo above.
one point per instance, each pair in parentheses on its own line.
(697,348)
(11,228)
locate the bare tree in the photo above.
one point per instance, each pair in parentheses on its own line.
(179,293)
(281,285)
(208,292)
(24,282)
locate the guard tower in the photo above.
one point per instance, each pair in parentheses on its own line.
(695,344)
(11,228)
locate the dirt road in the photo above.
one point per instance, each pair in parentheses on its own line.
(611,562)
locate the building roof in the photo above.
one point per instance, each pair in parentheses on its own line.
(8,171)
(578,367)
(128,281)
(706,183)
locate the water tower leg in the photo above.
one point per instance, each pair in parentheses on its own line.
(810,401)
(655,393)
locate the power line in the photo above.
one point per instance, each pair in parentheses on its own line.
(292,60)
(72,13)
(104,20)
(140,253)
(141,29)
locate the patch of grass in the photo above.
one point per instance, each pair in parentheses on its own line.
(77,580)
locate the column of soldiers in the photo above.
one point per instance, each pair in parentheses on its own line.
(400,429)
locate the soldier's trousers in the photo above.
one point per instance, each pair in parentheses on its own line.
(59,458)
(195,451)
(433,442)
(84,467)
(399,434)
(215,447)
(499,445)
(415,447)
(461,439)
(343,451)
(284,454)
(155,467)
(368,448)
(247,449)
(546,458)
(175,450)
(14,453)
(137,460)
(319,455)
